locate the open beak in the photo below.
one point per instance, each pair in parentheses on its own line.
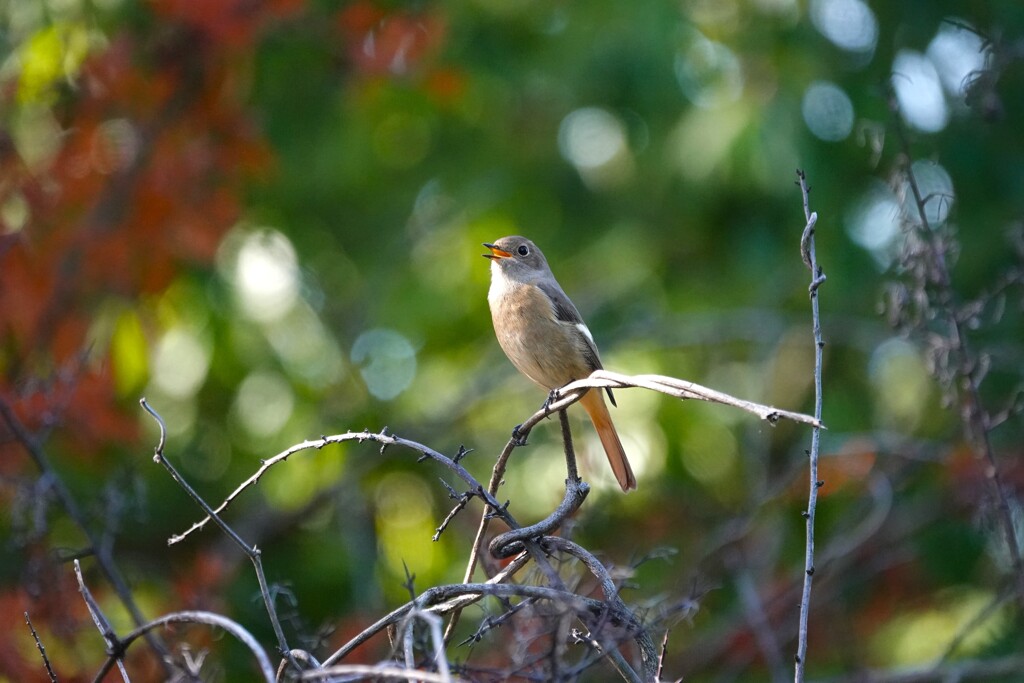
(496,253)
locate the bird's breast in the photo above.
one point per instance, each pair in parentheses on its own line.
(533,339)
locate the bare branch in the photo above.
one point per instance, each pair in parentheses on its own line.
(671,386)
(67,501)
(497,475)
(441,598)
(251,551)
(42,650)
(962,368)
(560,399)
(382,438)
(115,648)
(197,617)
(817,278)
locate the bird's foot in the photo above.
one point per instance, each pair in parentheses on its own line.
(519,435)
(553,396)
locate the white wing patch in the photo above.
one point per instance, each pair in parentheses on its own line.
(586,332)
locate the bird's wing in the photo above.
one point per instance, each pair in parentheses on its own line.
(566,313)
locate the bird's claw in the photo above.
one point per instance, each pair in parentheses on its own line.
(519,435)
(552,397)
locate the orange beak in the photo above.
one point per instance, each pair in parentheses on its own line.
(496,253)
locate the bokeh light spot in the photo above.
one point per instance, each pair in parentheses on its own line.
(386,360)
(827,111)
(265,273)
(956,53)
(14,213)
(180,363)
(874,223)
(306,348)
(710,455)
(405,525)
(590,137)
(595,142)
(849,24)
(901,382)
(919,91)
(264,403)
(708,73)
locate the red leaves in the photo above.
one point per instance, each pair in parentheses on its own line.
(379,42)
(230,23)
(145,178)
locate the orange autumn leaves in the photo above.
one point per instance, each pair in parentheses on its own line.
(154,147)
(151,144)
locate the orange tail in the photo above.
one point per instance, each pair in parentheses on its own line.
(593,403)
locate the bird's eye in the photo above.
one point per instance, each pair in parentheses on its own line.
(523,250)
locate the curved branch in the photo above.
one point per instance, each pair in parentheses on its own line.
(441,598)
(382,438)
(513,542)
(194,617)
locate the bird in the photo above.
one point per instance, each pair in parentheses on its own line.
(544,336)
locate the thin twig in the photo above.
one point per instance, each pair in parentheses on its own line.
(42,650)
(460,505)
(648,653)
(67,501)
(434,623)
(561,399)
(382,438)
(115,647)
(252,552)
(757,618)
(497,476)
(571,472)
(514,541)
(817,278)
(976,420)
(439,598)
(197,617)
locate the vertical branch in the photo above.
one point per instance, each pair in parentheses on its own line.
(571,473)
(966,366)
(519,435)
(817,278)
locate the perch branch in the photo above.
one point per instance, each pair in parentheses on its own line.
(679,388)
(561,399)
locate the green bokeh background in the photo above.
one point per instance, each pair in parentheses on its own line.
(682,255)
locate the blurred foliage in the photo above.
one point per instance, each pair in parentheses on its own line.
(266,217)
